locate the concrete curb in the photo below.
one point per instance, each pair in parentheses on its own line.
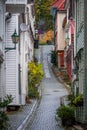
(27,120)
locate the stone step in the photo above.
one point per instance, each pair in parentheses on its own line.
(77,127)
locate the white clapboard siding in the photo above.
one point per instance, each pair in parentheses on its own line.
(12,61)
(2,25)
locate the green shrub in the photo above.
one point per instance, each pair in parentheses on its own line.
(54,57)
(71,97)
(78,100)
(35,75)
(4,103)
(33,92)
(67,115)
(43,43)
(3,121)
(3,116)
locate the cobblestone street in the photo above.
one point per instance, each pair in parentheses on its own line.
(52,90)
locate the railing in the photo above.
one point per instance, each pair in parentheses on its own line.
(79,114)
(16,2)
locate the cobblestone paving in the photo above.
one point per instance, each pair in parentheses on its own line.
(16,118)
(52,90)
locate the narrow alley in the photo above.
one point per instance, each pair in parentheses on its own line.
(43,58)
(52,90)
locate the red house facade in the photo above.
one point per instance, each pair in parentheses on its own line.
(69,27)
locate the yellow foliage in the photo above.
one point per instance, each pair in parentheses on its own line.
(35,73)
(49,35)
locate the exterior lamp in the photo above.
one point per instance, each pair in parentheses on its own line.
(15,39)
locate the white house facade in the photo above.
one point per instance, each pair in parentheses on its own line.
(26,49)
(17,59)
(12,60)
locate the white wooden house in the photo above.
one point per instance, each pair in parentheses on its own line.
(12,60)
(26,49)
(17,60)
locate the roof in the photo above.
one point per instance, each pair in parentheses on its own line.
(59,4)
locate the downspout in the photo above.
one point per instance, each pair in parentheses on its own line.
(54,29)
(54,25)
(19,69)
(75,45)
(53,14)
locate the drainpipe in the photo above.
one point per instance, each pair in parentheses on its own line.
(54,29)
(19,70)
(85,60)
(54,17)
(75,29)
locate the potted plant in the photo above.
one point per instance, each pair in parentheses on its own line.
(67,115)
(3,116)
(78,100)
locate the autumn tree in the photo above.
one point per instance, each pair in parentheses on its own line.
(43,15)
(48,36)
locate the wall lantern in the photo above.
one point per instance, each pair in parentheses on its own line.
(15,39)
